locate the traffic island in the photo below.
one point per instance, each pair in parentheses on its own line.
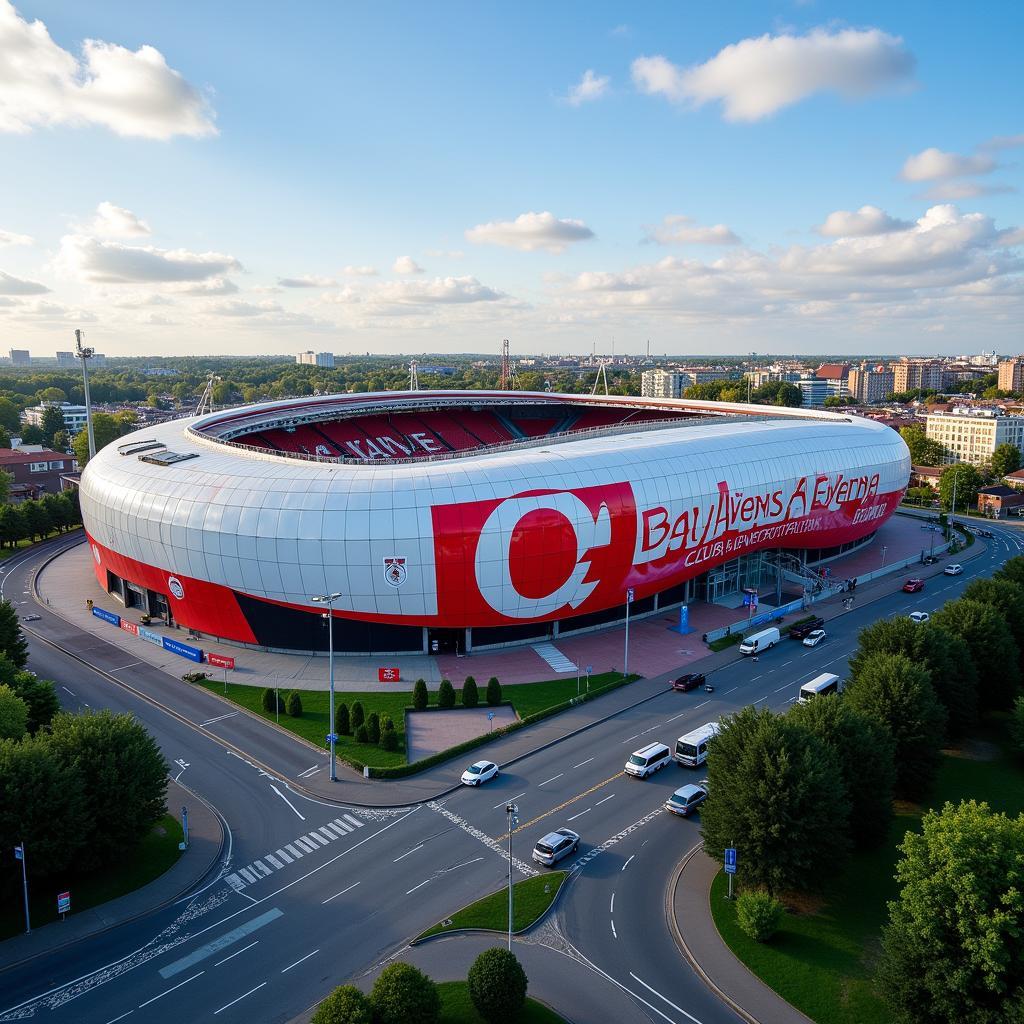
(531,900)
(458,1008)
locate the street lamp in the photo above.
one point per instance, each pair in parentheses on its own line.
(625,647)
(512,810)
(329,599)
(84,353)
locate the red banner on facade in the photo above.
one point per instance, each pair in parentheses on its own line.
(220,660)
(129,627)
(389,675)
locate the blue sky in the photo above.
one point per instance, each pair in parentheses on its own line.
(233,178)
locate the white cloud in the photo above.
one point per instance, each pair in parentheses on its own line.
(93,260)
(757,77)
(131,93)
(530,232)
(406,265)
(934,165)
(363,271)
(590,87)
(868,220)
(445,254)
(685,231)
(12,238)
(239,308)
(439,291)
(11,285)
(211,286)
(305,281)
(112,221)
(944,191)
(1003,142)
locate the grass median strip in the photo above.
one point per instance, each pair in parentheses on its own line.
(530,899)
(458,1008)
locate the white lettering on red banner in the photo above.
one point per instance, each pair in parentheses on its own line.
(389,675)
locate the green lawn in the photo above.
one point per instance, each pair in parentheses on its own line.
(458,1008)
(821,962)
(530,898)
(526,698)
(150,859)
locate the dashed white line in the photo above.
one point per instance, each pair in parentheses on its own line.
(702,704)
(299,961)
(337,894)
(785,663)
(734,688)
(611,905)
(582,763)
(599,802)
(615,934)
(407,852)
(73,694)
(754,680)
(626,865)
(168,991)
(580,815)
(508,801)
(781,688)
(122,1017)
(552,779)
(240,998)
(415,887)
(633,737)
(236,952)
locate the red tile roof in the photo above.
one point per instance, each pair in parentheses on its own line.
(11,456)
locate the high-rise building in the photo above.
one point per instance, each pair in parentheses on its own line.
(664,383)
(66,359)
(1011,374)
(324,359)
(972,435)
(870,385)
(21,357)
(910,374)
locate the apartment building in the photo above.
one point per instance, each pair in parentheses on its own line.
(1011,374)
(322,359)
(972,435)
(909,374)
(74,416)
(869,385)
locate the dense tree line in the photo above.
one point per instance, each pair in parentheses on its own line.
(34,520)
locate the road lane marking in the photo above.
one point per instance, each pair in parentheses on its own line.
(521,866)
(284,856)
(73,694)
(219,943)
(294,850)
(240,998)
(611,905)
(249,875)
(415,887)
(781,688)
(309,771)
(582,763)
(407,852)
(167,992)
(561,806)
(702,704)
(552,779)
(626,865)
(508,801)
(351,820)
(289,803)
(343,825)
(210,721)
(337,894)
(734,688)
(678,1009)
(236,953)
(602,800)
(297,962)
(633,737)
(273,861)
(785,663)
(580,815)
(122,1017)
(674,717)
(615,934)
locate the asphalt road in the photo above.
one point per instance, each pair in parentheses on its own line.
(314,893)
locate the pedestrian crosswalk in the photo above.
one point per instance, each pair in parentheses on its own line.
(312,841)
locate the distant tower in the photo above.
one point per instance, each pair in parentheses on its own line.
(506,368)
(414,380)
(206,398)
(648,348)
(84,353)
(602,375)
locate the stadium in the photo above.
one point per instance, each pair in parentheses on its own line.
(450,520)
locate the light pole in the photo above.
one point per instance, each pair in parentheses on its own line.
(884,549)
(511,810)
(952,514)
(329,599)
(19,854)
(625,649)
(84,353)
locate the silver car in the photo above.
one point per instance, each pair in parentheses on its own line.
(555,845)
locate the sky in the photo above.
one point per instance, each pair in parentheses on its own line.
(229,178)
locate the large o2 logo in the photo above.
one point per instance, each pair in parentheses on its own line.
(532,556)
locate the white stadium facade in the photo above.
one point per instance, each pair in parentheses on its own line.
(465,519)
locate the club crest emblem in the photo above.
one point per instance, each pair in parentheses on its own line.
(395,571)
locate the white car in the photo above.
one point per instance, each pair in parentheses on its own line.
(814,638)
(953,570)
(919,617)
(480,772)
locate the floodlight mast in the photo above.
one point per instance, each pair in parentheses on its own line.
(84,353)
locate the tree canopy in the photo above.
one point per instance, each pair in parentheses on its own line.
(1005,459)
(924,451)
(968,479)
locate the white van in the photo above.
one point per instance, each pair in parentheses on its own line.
(692,749)
(761,641)
(648,760)
(820,686)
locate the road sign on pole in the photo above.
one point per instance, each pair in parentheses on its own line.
(64,903)
(730,865)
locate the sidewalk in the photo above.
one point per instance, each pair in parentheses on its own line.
(699,942)
(206,839)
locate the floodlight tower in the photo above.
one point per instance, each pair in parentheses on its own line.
(84,353)
(414,377)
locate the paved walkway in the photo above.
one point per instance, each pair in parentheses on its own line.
(655,645)
(700,943)
(206,838)
(430,732)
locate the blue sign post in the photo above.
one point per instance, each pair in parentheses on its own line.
(730,865)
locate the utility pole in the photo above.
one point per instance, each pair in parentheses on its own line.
(511,810)
(84,354)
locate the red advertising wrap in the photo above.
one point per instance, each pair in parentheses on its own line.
(389,675)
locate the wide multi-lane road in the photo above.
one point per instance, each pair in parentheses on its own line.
(315,892)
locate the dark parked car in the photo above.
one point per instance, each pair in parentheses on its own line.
(799,631)
(688,682)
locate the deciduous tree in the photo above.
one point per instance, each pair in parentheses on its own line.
(13,715)
(497,985)
(1005,459)
(12,641)
(345,1005)
(402,994)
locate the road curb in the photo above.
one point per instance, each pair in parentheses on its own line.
(180,891)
